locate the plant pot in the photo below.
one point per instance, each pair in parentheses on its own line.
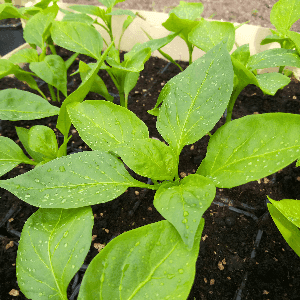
(11,37)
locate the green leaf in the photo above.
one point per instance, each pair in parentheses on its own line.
(274,58)
(149,158)
(52,248)
(208,34)
(120,12)
(36,29)
(24,137)
(42,139)
(177,24)
(284,14)
(10,155)
(147,262)
(194,100)
(251,148)
(295,37)
(24,56)
(290,209)
(190,11)
(77,37)
(270,83)
(289,231)
(89,9)
(183,205)
(53,71)
(71,181)
(274,38)
(81,18)
(154,44)
(242,54)
(98,85)
(18,105)
(7,68)
(7,10)
(103,125)
(110,3)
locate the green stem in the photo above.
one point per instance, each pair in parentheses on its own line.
(232,100)
(57,95)
(123,101)
(52,48)
(52,92)
(43,54)
(281,69)
(69,62)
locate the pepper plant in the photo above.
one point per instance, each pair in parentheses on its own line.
(157,260)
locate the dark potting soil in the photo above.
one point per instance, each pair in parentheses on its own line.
(242,254)
(10,22)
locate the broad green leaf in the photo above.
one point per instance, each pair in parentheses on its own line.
(10,155)
(154,44)
(42,139)
(190,11)
(208,34)
(177,24)
(242,54)
(251,148)
(290,209)
(98,85)
(270,83)
(53,71)
(184,204)
(120,12)
(284,14)
(63,121)
(77,37)
(71,181)
(52,248)
(32,10)
(149,158)
(7,10)
(274,58)
(138,60)
(24,56)
(89,9)
(18,105)
(24,137)
(289,231)
(44,3)
(147,262)
(274,38)
(36,29)
(103,125)
(194,100)
(295,37)
(78,18)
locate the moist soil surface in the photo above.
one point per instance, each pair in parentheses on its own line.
(237,218)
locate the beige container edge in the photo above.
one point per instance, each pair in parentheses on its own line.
(177,49)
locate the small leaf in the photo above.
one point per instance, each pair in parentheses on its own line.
(77,37)
(52,248)
(81,18)
(289,231)
(208,34)
(251,148)
(183,205)
(10,155)
(194,100)
(7,68)
(7,10)
(18,105)
(42,139)
(24,56)
(136,264)
(149,158)
(270,83)
(103,125)
(284,14)
(189,11)
(71,181)
(35,31)
(295,37)
(89,9)
(53,71)
(120,12)
(290,209)
(110,3)
(274,58)
(242,54)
